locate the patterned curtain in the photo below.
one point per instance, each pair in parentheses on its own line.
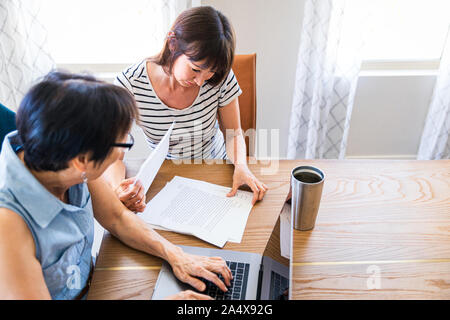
(329,60)
(23,52)
(435,141)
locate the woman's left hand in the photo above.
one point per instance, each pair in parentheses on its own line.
(242,175)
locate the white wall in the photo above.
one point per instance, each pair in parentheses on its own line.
(388,116)
(389,111)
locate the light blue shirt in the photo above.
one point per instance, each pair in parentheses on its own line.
(63,233)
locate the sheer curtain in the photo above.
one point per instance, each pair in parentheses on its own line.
(172,8)
(435,141)
(100,35)
(23,49)
(328,64)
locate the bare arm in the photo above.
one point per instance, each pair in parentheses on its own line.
(131,194)
(115,173)
(230,122)
(20,272)
(134,232)
(123,224)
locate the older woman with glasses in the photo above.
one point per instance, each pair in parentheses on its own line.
(70,128)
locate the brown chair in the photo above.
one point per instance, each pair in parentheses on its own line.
(244,68)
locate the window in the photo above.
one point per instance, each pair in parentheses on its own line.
(407,30)
(401,34)
(107,31)
(122,32)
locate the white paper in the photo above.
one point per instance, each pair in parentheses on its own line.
(241,201)
(150,167)
(201,209)
(285,231)
(141,150)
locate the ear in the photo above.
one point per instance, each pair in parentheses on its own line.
(80,162)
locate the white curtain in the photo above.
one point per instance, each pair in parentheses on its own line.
(172,8)
(23,49)
(328,64)
(435,141)
(162,15)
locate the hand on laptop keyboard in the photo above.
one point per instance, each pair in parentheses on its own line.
(188,268)
(237,287)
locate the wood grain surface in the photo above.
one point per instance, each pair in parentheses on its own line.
(388,220)
(382,232)
(124,273)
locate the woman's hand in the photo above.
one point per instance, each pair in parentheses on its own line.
(188,267)
(132,196)
(188,295)
(242,175)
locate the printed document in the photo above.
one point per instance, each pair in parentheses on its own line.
(150,167)
(200,209)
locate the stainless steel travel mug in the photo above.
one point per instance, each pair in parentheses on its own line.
(306,187)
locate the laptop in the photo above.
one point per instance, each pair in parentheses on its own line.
(255,277)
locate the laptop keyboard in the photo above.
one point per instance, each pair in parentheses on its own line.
(278,285)
(238,287)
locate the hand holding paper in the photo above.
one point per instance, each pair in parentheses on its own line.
(150,167)
(131,193)
(193,207)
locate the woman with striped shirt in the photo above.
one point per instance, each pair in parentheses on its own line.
(190,82)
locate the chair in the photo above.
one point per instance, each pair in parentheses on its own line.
(244,68)
(7,123)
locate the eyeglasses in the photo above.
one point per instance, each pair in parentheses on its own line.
(126,146)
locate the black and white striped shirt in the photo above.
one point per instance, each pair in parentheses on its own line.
(196,133)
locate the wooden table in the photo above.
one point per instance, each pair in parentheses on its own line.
(382,232)
(124,273)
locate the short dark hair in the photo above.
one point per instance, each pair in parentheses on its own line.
(200,33)
(66,115)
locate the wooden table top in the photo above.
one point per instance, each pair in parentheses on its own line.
(382,232)
(124,273)
(386,218)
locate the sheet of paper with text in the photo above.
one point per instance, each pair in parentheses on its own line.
(201,209)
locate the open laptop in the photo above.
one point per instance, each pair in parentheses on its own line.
(255,277)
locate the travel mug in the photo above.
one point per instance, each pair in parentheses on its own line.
(306,187)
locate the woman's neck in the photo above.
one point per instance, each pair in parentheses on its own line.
(57,183)
(159,75)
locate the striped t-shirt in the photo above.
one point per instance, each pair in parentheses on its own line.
(196,133)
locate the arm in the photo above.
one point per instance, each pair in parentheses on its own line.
(230,122)
(124,225)
(134,232)
(132,197)
(20,272)
(115,173)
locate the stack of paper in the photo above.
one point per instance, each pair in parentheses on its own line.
(285,231)
(200,209)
